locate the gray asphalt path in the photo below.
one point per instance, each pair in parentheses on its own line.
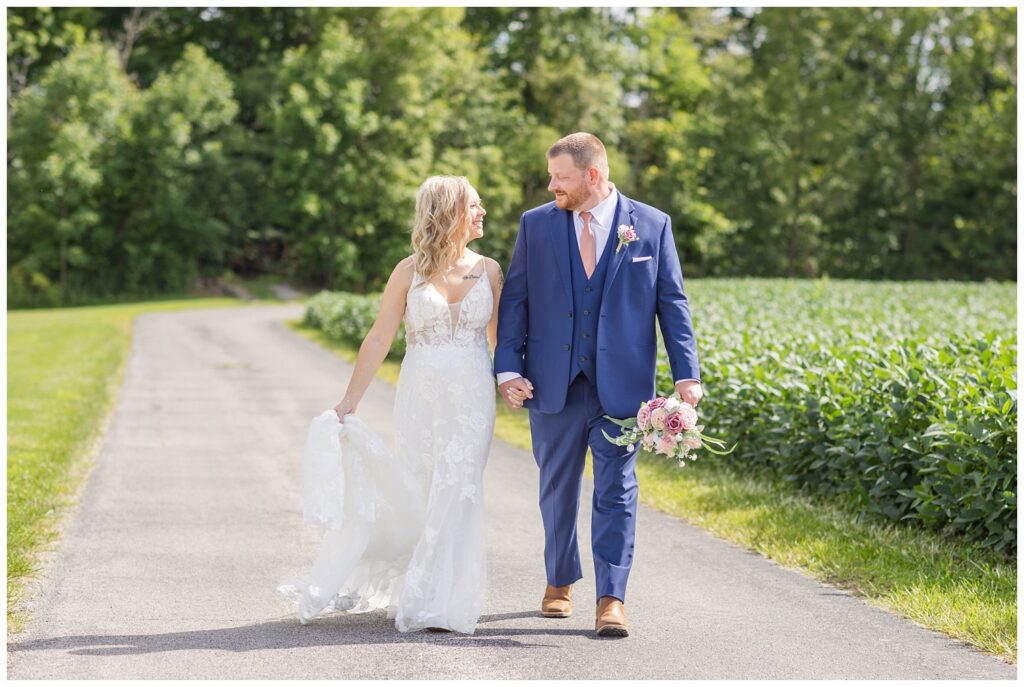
(193,514)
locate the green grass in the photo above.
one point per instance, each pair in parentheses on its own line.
(958,589)
(64,366)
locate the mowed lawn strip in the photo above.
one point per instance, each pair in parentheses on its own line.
(64,367)
(958,589)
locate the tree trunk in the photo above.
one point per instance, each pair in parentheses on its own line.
(134,25)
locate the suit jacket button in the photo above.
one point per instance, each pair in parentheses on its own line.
(570,313)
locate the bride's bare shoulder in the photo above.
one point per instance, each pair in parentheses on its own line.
(494,272)
(492,264)
(403,272)
(406,265)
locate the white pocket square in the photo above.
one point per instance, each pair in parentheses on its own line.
(646,257)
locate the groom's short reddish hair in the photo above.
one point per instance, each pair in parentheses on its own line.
(585,149)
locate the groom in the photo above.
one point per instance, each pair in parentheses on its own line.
(577,317)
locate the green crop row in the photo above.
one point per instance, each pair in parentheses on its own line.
(900,398)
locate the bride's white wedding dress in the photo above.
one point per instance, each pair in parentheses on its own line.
(403,530)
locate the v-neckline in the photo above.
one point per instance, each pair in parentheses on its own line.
(480,278)
(455,309)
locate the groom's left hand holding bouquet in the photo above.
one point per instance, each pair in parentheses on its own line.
(690,391)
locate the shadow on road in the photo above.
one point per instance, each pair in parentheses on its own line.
(369,628)
(495,617)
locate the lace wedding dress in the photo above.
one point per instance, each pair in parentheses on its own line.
(403,530)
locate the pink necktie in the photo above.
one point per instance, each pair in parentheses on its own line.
(588,245)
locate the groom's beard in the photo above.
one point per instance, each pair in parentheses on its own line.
(572,200)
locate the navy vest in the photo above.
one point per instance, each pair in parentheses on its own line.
(586,304)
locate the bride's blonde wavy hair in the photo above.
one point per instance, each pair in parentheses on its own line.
(442,221)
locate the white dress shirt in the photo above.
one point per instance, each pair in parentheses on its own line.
(603,216)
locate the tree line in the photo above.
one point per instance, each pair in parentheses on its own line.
(151,148)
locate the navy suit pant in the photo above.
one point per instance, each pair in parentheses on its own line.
(560,442)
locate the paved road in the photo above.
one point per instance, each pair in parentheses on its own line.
(193,514)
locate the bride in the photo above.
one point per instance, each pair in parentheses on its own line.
(403,530)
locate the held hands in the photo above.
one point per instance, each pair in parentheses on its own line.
(690,391)
(344,408)
(515,391)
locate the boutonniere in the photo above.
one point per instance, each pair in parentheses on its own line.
(626,236)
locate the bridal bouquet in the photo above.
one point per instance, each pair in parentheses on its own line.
(668,427)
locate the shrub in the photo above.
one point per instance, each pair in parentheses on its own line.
(348,317)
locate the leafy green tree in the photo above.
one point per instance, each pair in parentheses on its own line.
(149,146)
(168,221)
(973,169)
(355,131)
(567,67)
(663,137)
(836,156)
(37,37)
(62,131)
(568,63)
(115,190)
(783,124)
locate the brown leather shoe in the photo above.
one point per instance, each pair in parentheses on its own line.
(557,602)
(611,618)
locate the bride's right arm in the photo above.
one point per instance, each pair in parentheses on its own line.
(378,341)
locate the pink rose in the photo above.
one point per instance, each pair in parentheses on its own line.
(667,444)
(674,423)
(688,415)
(658,418)
(657,403)
(691,441)
(643,418)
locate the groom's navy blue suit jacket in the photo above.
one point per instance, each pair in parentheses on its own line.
(535,326)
